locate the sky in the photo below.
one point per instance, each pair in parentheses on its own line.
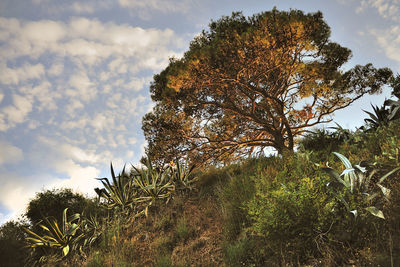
(75,76)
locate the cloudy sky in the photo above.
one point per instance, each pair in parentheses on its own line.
(74,78)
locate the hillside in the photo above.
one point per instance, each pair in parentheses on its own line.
(333,202)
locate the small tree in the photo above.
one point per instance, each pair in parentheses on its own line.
(52,203)
(251,83)
(12,243)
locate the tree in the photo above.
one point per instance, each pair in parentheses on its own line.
(12,243)
(52,203)
(251,83)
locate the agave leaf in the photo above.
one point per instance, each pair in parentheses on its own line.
(388,174)
(371,197)
(347,171)
(74,217)
(54,229)
(341,199)
(66,250)
(344,160)
(375,211)
(394,113)
(64,221)
(32,233)
(390,102)
(374,118)
(360,168)
(355,213)
(335,175)
(385,191)
(44,227)
(71,230)
(112,171)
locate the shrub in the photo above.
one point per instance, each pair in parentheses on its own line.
(12,244)
(239,253)
(52,203)
(290,207)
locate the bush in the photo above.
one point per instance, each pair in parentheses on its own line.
(233,194)
(290,207)
(52,203)
(12,245)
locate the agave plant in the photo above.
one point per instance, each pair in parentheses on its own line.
(62,238)
(380,118)
(181,175)
(120,192)
(357,180)
(394,109)
(91,229)
(341,133)
(153,183)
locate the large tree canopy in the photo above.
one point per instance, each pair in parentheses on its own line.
(251,83)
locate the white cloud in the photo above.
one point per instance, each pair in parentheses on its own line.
(20,74)
(79,154)
(80,123)
(389,41)
(77,84)
(59,152)
(164,6)
(79,7)
(132,141)
(114,101)
(137,84)
(10,153)
(87,40)
(388,9)
(82,87)
(44,31)
(16,192)
(33,124)
(16,113)
(79,178)
(101,122)
(56,69)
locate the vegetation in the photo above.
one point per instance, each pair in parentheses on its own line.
(251,83)
(311,207)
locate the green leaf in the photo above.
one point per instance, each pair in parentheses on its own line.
(375,211)
(344,160)
(335,175)
(355,213)
(385,191)
(66,250)
(388,174)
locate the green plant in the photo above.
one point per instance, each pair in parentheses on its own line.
(289,207)
(62,238)
(380,118)
(152,183)
(120,193)
(233,208)
(239,253)
(183,230)
(12,243)
(91,229)
(358,181)
(52,203)
(181,175)
(97,260)
(163,261)
(394,109)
